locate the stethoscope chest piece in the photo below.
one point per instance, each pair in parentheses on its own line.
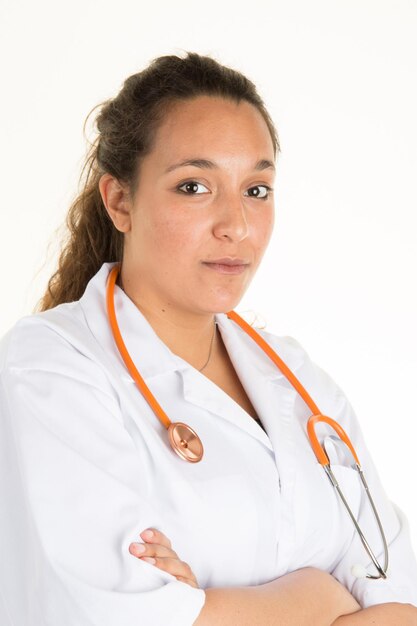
(185,442)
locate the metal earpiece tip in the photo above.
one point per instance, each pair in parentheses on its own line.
(358,571)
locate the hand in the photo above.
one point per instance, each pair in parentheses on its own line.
(158,546)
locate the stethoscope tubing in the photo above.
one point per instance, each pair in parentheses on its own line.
(186,443)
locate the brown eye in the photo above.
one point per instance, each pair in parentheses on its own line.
(258,194)
(191,187)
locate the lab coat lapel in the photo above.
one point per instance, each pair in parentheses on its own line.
(267,388)
(202,392)
(269,391)
(273,397)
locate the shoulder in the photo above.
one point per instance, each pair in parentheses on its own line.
(319,383)
(285,344)
(35,338)
(56,342)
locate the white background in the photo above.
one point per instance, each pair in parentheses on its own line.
(339,79)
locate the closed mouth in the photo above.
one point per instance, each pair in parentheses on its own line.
(227,261)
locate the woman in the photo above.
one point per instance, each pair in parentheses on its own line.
(179,199)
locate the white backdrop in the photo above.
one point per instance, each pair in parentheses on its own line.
(339,79)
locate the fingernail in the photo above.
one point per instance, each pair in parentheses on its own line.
(147,533)
(149,559)
(139,547)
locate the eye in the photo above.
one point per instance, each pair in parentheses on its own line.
(192,187)
(190,184)
(261,197)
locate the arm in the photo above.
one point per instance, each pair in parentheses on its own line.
(388,614)
(306,597)
(73,496)
(276,602)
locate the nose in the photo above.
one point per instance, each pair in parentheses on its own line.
(230,219)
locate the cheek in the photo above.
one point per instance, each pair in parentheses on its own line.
(262,231)
(172,232)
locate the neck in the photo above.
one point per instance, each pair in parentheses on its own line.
(187,335)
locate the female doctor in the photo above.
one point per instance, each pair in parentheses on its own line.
(178,208)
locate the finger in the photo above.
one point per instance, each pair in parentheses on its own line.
(174,566)
(152,535)
(148,549)
(193,582)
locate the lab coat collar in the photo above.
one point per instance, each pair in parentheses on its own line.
(269,391)
(152,356)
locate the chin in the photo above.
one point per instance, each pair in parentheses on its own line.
(218,299)
(222,305)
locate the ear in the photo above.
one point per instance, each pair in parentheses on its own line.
(116,199)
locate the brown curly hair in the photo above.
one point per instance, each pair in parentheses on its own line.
(126,127)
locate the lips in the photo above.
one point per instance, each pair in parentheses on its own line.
(228,261)
(227,265)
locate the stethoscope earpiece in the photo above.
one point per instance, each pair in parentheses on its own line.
(358,571)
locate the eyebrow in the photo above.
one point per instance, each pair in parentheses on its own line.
(262,164)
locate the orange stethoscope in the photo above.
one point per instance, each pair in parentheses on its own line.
(187,444)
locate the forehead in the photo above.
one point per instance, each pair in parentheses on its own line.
(207,123)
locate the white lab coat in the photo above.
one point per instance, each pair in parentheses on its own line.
(85,466)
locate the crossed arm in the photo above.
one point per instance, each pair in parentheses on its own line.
(306,597)
(389,614)
(324,602)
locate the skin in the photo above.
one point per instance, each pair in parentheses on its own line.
(156,545)
(169,233)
